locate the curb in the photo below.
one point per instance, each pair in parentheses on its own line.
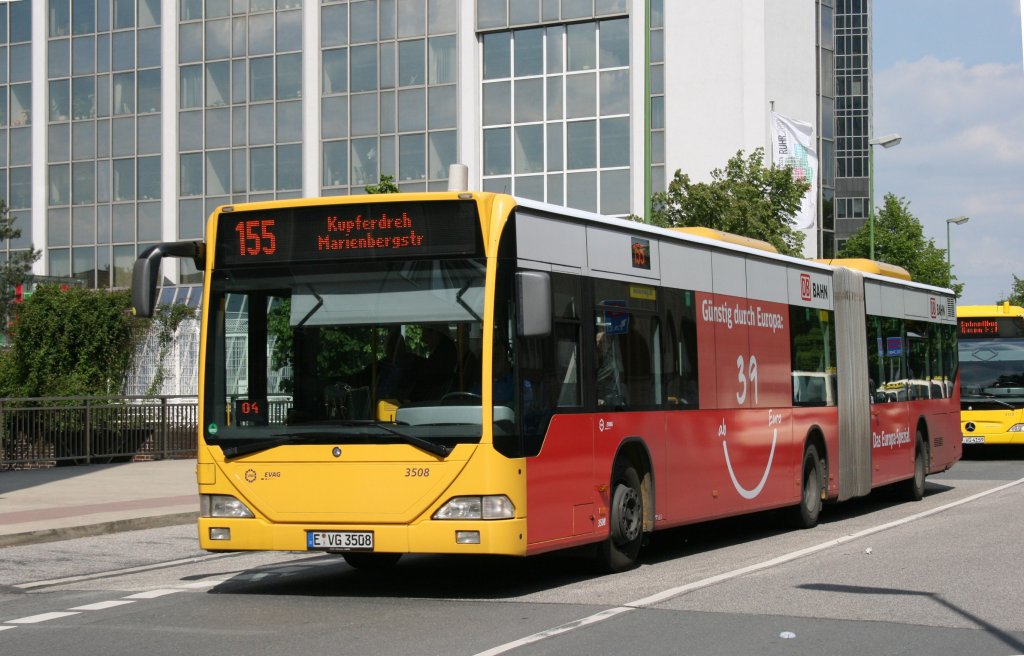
(90,530)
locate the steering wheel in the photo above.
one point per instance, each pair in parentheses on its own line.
(453,396)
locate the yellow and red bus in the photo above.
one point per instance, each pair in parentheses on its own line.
(470,373)
(992,379)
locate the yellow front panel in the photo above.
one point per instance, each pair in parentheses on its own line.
(366,483)
(991,426)
(369,494)
(390,489)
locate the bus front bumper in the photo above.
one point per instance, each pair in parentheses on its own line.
(495,537)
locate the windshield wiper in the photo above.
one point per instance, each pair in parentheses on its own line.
(988,397)
(313,310)
(248,448)
(465,306)
(418,442)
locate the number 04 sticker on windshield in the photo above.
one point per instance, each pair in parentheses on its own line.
(340,540)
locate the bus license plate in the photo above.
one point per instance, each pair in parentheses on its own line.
(974,439)
(340,540)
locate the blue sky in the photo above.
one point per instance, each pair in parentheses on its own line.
(949,78)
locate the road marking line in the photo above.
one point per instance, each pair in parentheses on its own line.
(119,572)
(153,594)
(199,585)
(558,630)
(726,576)
(290,569)
(251,576)
(4,628)
(44,617)
(103,605)
(800,553)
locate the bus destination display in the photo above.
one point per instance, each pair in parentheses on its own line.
(980,327)
(351,231)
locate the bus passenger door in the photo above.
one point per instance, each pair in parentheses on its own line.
(891,432)
(562,499)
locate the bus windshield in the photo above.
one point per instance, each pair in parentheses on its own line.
(992,370)
(351,352)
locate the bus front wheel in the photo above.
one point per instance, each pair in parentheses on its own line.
(621,549)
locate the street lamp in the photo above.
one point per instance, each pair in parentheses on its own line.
(888,141)
(959,220)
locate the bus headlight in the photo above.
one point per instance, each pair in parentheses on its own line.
(1016,428)
(222,505)
(497,506)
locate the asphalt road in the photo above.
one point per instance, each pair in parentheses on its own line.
(877,576)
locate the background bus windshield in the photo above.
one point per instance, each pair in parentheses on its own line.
(992,361)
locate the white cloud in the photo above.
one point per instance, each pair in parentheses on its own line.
(989,139)
(962,154)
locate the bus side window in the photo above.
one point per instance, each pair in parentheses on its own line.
(640,361)
(812,356)
(567,365)
(680,361)
(566,299)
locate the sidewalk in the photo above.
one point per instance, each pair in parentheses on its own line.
(43,505)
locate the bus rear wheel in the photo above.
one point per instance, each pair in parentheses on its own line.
(913,488)
(626,516)
(806,513)
(371,562)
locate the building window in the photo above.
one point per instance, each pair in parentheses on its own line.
(554,149)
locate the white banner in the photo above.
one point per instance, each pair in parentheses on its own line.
(793,145)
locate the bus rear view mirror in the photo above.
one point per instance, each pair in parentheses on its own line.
(147,269)
(533,297)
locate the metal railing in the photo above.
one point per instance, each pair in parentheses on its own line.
(54,431)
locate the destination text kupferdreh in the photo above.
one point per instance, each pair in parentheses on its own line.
(361,233)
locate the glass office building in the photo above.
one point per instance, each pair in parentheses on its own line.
(826,133)
(125,122)
(853,115)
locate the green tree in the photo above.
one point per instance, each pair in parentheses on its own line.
(1016,296)
(900,240)
(72,342)
(385,186)
(15,269)
(745,198)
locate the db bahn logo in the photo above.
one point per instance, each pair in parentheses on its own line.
(809,290)
(940,310)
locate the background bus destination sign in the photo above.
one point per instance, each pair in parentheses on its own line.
(982,327)
(350,231)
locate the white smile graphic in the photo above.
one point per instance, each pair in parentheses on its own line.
(744,492)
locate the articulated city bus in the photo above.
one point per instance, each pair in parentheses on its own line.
(992,382)
(470,373)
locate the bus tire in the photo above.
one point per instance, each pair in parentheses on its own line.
(806,513)
(371,562)
(621,549)
(913,487)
